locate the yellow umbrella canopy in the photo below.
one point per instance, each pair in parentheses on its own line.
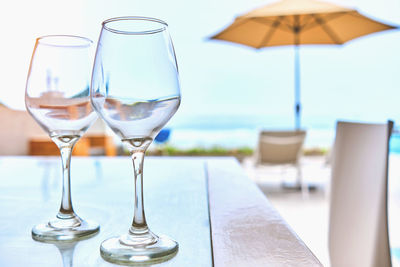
(299,22)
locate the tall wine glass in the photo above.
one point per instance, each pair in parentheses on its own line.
(135,89)
(57,97)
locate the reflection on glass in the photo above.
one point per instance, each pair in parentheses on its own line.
(66,250)
(49,180)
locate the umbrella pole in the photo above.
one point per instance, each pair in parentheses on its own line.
(297,105)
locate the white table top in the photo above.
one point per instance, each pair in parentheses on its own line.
(218,216)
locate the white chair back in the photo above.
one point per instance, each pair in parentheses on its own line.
(358,229)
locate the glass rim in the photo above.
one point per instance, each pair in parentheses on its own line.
(163,25)
(83,43)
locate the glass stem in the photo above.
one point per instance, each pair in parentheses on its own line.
(66,210)
(139,225)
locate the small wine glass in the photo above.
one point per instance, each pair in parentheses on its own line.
(57,96)
(135,90)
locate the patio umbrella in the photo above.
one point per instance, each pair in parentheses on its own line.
(299,22)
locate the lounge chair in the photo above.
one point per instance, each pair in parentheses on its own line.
(281,148)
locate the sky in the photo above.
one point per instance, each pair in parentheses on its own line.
(356,81)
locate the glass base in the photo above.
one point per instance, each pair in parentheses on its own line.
(114,250)
(48,233)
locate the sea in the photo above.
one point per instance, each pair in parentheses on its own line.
(236,132)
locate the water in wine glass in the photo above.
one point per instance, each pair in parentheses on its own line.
(133,120)
(61,117)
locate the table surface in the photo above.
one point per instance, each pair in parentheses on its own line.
(218,216)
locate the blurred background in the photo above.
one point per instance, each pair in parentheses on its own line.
(229,92)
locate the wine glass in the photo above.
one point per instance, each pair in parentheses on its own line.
(57,96)
(135,90)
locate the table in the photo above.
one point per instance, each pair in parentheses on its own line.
(218,216)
